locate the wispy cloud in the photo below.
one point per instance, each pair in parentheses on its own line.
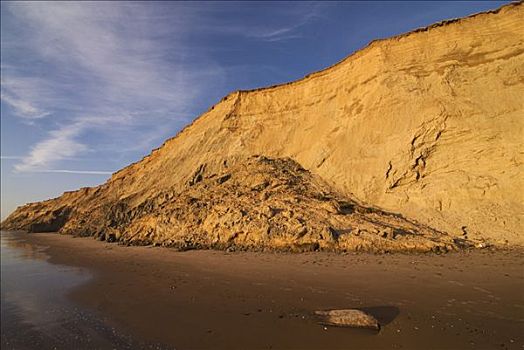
(11,157)
(282,25)
(61,144)
(83,172)
(300,18)
(22,108)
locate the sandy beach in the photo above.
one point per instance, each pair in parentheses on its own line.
(223,300)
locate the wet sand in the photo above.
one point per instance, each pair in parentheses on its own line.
(35,311)
(221,300)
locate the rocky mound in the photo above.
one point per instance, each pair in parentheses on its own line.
(259,203)
(427,125)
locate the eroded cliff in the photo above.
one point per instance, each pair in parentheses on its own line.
(427,125)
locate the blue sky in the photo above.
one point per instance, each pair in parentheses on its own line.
(89,87)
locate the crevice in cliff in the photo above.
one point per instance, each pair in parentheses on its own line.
(411,168)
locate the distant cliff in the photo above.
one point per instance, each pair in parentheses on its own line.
(427,126)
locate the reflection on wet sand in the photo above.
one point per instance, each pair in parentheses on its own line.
(35,312)
(24,250)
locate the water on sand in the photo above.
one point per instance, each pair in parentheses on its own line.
(35,312)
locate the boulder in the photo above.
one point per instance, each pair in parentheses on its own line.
(347,318)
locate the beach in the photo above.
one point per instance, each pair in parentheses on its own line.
(247,300)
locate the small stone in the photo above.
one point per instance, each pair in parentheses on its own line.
(264,196)
(348,318)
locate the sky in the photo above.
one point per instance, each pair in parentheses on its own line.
(89,87)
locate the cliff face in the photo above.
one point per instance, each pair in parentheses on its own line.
(428,125)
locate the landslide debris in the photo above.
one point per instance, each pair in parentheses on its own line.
(259,203)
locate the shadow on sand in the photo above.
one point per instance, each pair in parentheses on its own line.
(384,314)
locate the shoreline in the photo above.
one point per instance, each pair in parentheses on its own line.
(219,299)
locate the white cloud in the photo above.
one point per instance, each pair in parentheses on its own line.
(294,15)
(11,157)
(61,144)
(282,33)
(23,108)
(31,95)
(83,172)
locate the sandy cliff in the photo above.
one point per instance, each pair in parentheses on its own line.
(426,125)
